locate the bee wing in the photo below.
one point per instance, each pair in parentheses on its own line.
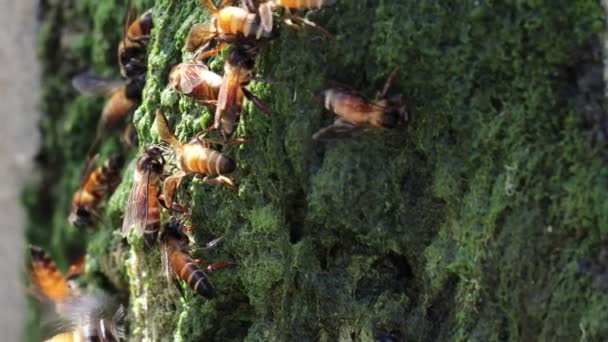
(137,206)
(89,82)
(209,5)
(229,89)
(164,254)
(200,34)
(340,129)
(192,77)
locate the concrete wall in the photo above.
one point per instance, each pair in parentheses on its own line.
(19,85)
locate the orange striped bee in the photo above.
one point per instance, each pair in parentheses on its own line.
(96,184)
(267,7)
(194,157)
(229,24)
(356,113)
(143,206)
(132,49)
(87,318)
(48,280)
(176,259)
(124,98)
(197,81)
(239,70)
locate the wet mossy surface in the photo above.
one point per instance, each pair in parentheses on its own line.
(485,219)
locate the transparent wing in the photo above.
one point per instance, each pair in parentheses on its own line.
(137,206)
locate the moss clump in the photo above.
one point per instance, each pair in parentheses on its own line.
(468,224)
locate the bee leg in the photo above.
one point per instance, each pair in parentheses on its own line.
(339,129)
(206,141)
(259,104)
(179,288)
(199,55)
(219,265)
(291,18)
(389,81)
(211,244)
(202,141)
(220,180)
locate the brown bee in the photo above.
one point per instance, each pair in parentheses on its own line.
(239,70)
(194,157)
(124,98)
(197,81)
(176,259)
(143,206)
(88,319)
(96,184)
(229,24)
(267,7)
(356,113)
(48,280)
(132,49)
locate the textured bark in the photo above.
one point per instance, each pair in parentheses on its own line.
(485,219)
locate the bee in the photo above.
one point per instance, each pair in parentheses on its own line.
(229,24)
(195,157)
(132,49)
(96,184)
(48,280)
(239,70)
(88,319)
(265,11)
(124,98)
(143,206)
(176,259)
(197,81)
(356,113)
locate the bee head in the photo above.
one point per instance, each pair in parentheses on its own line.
(135,86)
(152,159)
(82,218)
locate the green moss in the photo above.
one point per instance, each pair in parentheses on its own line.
(467,225)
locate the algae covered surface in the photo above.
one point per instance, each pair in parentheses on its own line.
(485,219)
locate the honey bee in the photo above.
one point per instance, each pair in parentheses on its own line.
(197,81)
(124,98)
(239,70)
(266,8)
(132,49)
(143,206)
(229,24)
(87,318)
(195,157)
(48,280)
(356,113)
(176,259)
(96,184)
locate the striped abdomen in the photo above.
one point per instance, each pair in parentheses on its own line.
(354,108)
(195,158)
(117,107)
(152,221)
(238,21)
(185,268)
(46,277)
(304,4)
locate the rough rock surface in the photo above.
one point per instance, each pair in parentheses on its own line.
(485,219)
